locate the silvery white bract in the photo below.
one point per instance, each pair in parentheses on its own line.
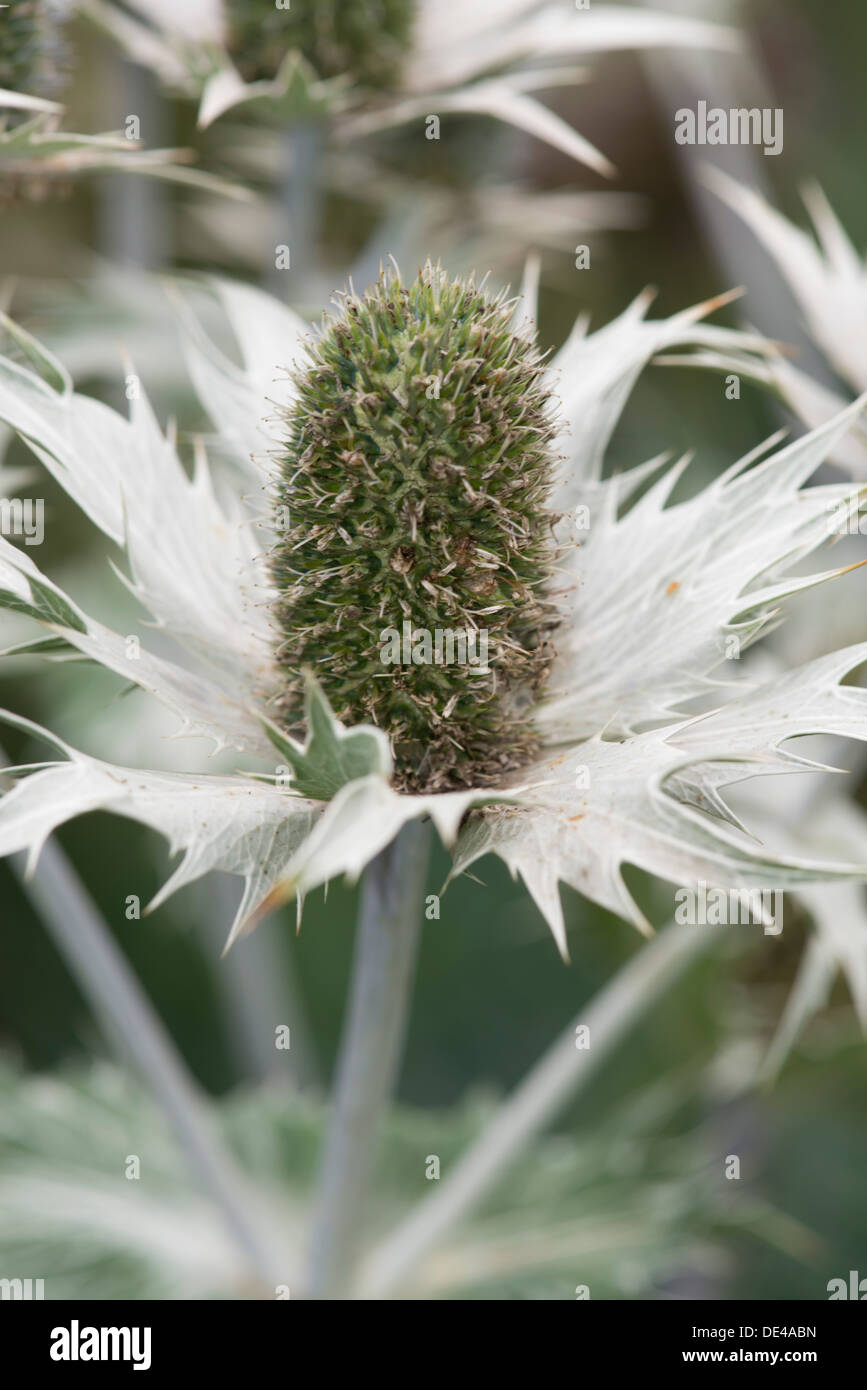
(482,59)
(828,280)
(660,589)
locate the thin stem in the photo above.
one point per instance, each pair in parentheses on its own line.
(85,942)
(385,952)
(134,212)
(259,989)
(555,1079)
(299,199)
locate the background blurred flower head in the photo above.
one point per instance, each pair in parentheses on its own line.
(369,64)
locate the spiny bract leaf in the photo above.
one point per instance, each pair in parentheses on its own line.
(602,804)
(664,594)
(332,755)
(233,824)
(205,703)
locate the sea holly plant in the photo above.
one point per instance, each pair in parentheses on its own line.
(418,471)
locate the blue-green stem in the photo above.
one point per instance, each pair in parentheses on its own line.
(389,928)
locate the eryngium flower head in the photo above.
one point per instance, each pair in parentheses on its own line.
(415,58)
(30,50)
(414,477)
(365,38)
(657,596)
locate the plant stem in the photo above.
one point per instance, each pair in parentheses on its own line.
(562,1071)
(86,944)
(259,989)
(299,200)
(387,940)
(134,215)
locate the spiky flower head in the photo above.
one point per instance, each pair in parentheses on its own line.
(363,38)
(413,56)
(31,52)
(415,547)
(651,592)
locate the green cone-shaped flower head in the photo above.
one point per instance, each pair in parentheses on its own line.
(365,39)
(414,548)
